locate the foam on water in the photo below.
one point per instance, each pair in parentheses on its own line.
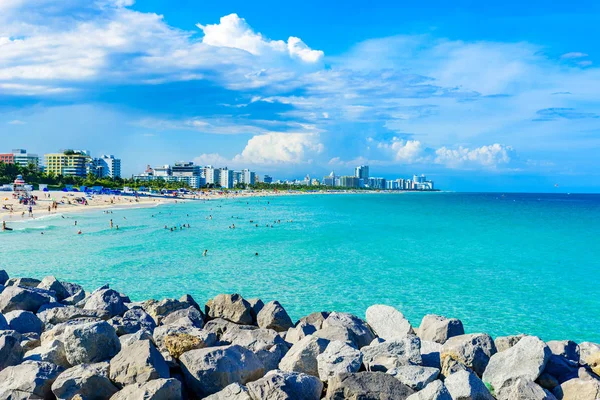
(504,264)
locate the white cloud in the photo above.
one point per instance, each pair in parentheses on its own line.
(574,54)
(16,122)
(404,151)
(490,156)
(276,147)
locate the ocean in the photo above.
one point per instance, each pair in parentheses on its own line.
(502,263)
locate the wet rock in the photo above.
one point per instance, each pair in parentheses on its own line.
(24,322)
(387,322)
(52,284)
(414,376)
(90,342)
(465,385)
(273,316)
(29,380)
(268,346)
(435,328)
(85,382)
(52,352)
(11,352)
(302,356)
(338,358)
(366,386)
(362,332)
(108,300)
(231,307)
(17,298)
(471,350)
(279,385)
(207,371)
(395,353)
(139,362)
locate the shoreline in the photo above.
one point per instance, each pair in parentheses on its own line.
(77,342)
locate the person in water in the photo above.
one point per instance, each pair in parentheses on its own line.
(111,224)
(205,253)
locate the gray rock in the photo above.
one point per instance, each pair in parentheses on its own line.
(578,389)
(158,389)
(11,352)
(506,342)
(3,277)
(300,331)
(268,346)
(131,338)
(366,386)
(52,284)
(57,331)
(387,322)
(24,322)
(231,307)
(414,376)
(219,326)
(436,328)
(23,282)
(389,355)
(139,362)
(471,350)
(29,380)
(207,371)
(185,317)
(362,332)
(465,385)
(71,288)
(338,358)
(57,315)
(525,360)
(273,316)
(75,298)
(187,298)
(434,391)
(90,342)
(315,319)
(338,333)
(279,385)
(160,309)
(586,349)
(522,389)
(430,354)
(108,300)
(18,298)
(84,382)
(257,305)
(133,321)
(302,356)
(564,360)
(52,352)
(235,391)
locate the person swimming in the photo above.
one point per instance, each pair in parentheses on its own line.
(205,253)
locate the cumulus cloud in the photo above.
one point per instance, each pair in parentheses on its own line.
(488,156)
(404,151)
(276,147)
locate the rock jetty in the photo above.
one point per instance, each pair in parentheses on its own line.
(58,341)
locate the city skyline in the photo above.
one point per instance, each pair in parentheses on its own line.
(450,92)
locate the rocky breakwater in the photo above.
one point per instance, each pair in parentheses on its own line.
(58,341)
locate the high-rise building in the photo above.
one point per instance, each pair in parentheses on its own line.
(21,158)
(68,163)
(377,183)
(330,179)
(211,175)
(362,172)
(107,166)
(248,177)
(187,172)
(226,178)
(349,181)
(267,179)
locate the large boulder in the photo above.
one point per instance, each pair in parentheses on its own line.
(23,282)
(108,300)
(279,385)
(525,360)
(436,328)
(231,307)
(593,361)
(298,332)
(90,342)
(185,317)
(219,326)
(235,391)
(389,355)
(3,323)
(58,315)
(11,352)
(207,371)
(471,350)
(338,333)
(268,346)
(3,277)
(52,284)
(203,339)
(160,309)
(29,380)
(158,389)
(315,319)
(578,389)
(19,298)
(57,331)
(564,359)
(586,349)
(338,358)
(139,362)
(430,354)
(523,389)
(506,342)
(85,382)
(256,304)
(387,322)
(465,385)
(179,343)
(361,330)
(366,386)
(415,376)
(52,352)
(24,322)
(187,298)
(273,316)
(434,391)
(302,356)
(133,321)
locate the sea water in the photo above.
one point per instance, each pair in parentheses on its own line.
(502,263)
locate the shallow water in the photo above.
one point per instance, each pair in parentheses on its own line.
(503,264)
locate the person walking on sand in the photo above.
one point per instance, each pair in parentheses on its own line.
(30,211)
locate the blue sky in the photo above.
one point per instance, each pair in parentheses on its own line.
(478,96)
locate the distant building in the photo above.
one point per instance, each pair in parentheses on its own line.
(248,177)
(362,172)
(377,183)
(187,172)
(21,158)
(226,178)
(267,179)
(349,182)
(107,166)
(330,180)
(212,175)
(69,163)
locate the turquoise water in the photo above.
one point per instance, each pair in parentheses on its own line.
(502,264)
